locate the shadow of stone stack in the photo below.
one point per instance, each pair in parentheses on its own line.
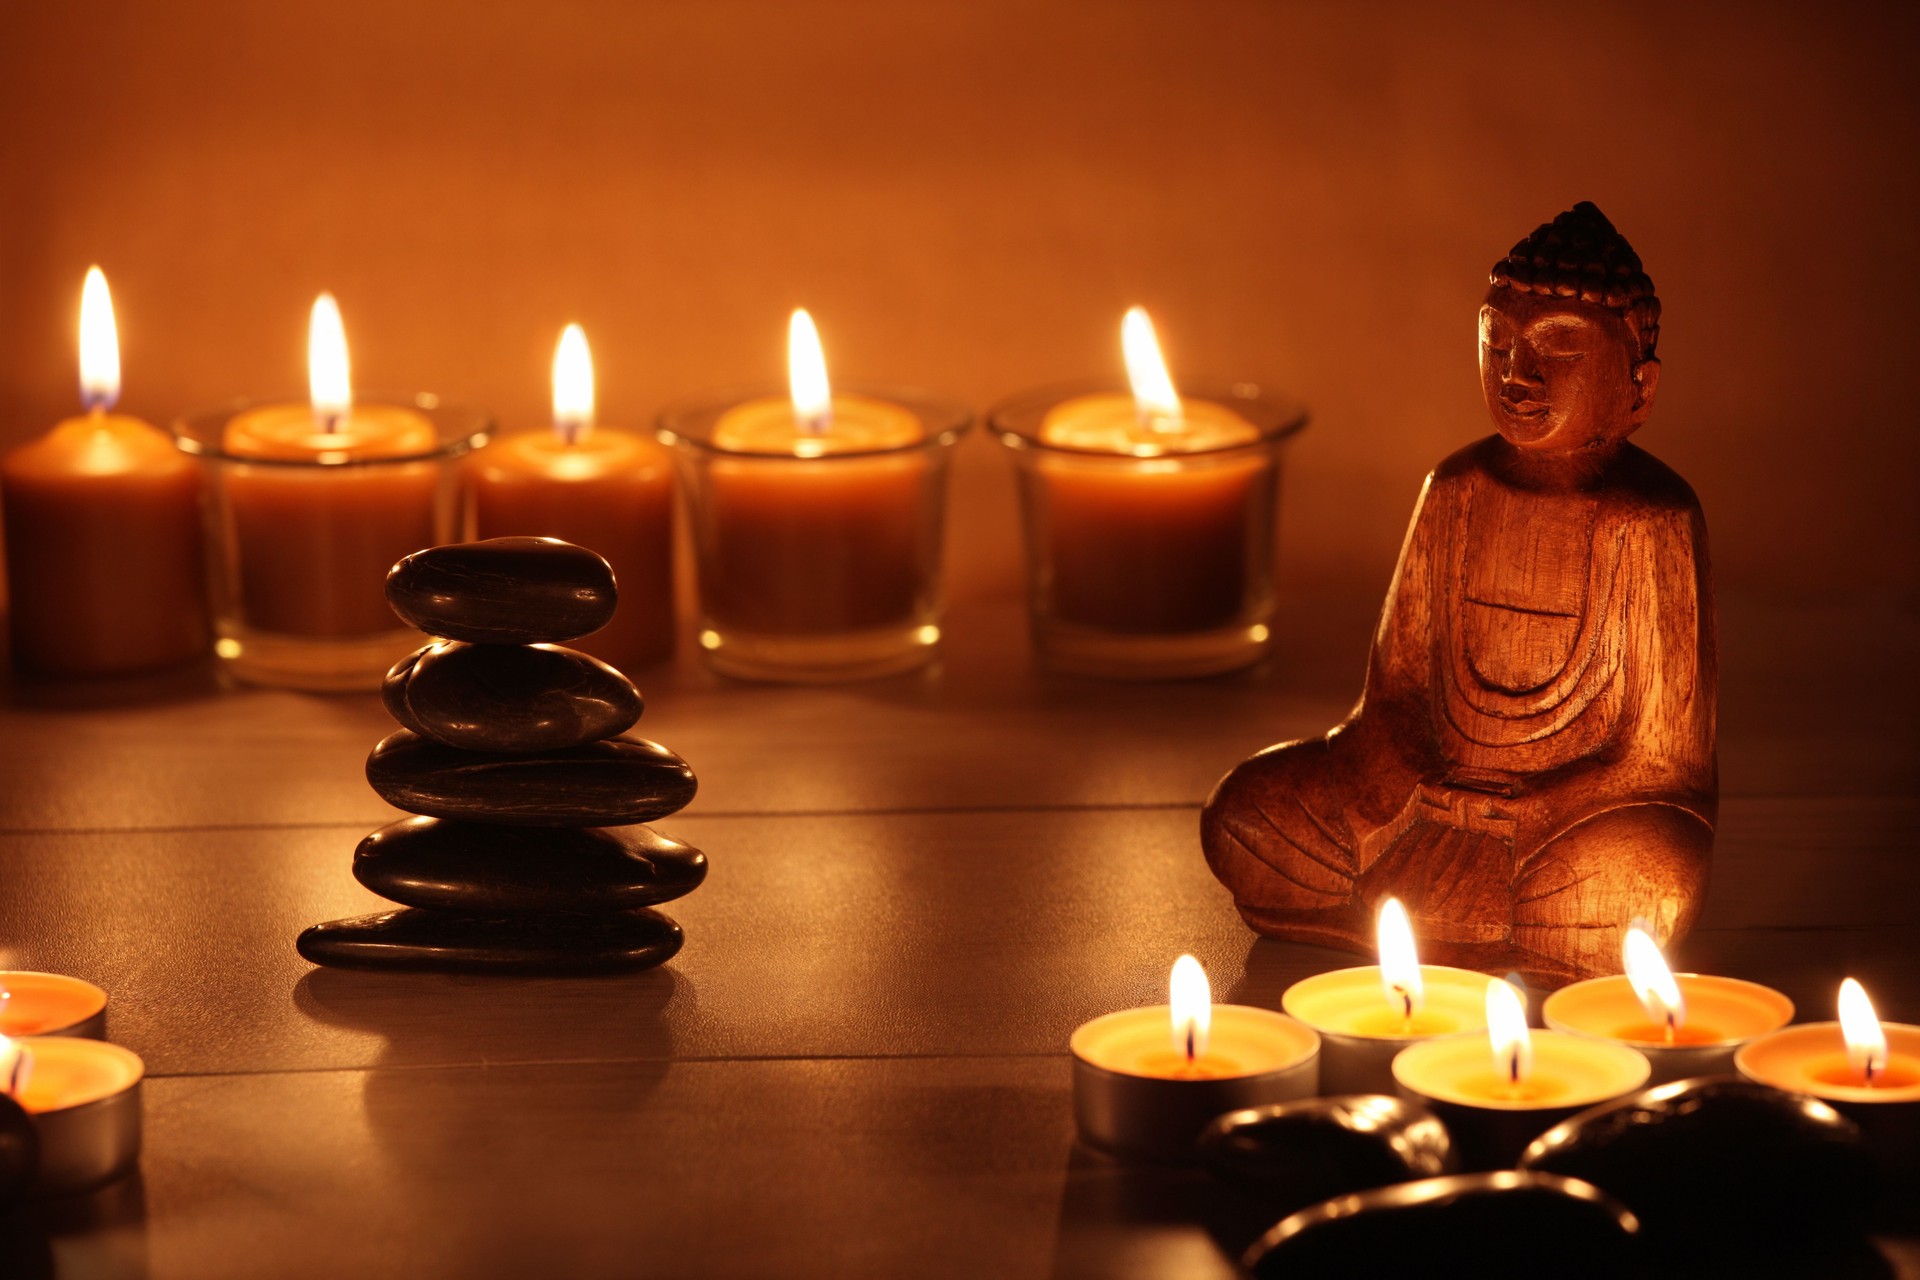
(515,753)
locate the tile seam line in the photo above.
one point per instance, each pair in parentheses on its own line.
(693,1059)
(1170,806)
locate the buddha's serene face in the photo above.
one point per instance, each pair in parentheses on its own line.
(1560,374)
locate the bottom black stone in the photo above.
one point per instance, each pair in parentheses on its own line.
(460,942)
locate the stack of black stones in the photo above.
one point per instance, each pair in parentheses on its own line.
(515,752)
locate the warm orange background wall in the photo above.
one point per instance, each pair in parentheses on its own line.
(967,193)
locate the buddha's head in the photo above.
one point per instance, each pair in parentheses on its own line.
(1567,334)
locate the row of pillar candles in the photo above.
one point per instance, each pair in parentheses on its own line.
(817,516)
(1148,1080)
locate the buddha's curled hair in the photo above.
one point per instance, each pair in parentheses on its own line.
(1580,255)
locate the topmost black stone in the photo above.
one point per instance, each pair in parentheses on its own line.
(504,591)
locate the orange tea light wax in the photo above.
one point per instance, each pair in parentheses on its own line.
(1147,1081)
(315,529)
(1722,1014)
(1868,1069)
(600,487)
(1687,1024)
(50,1004)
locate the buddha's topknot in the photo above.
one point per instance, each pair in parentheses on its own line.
(1580,255)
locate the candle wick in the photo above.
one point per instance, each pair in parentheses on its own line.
(1513,1069)
(1190,1054)
(1670,1026)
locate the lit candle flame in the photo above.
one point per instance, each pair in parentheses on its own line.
(573,385)
(99,345)
(328,380)
(1507,1030)
(15,1065)
(1866,1038)
(1399,963)
(1192,1002)
(1154,399)
(1652,980)
(807,376)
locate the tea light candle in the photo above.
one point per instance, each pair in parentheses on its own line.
(105,572)
(84,1099)
(1498,1092)
(608,490)
(50,1004)
(1867,1069)
(1687,1024)
(314,541)
(1368,1014)
(1147,1081)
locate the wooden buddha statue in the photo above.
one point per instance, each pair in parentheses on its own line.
(1531,763)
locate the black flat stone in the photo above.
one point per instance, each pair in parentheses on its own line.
(1471,1224)
(393,690)
(602,784)
(504,591)
(1293,1154)
(1718,1166)
(478,867)
(19,1150)
(506,697)
(459,942)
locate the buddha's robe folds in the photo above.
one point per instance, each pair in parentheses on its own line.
(1531,764)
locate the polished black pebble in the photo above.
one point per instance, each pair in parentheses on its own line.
(1293,1154)
(1718,1165)
(1470,1224)
(507,697)
(460,942)
(393,689)
(602,784)
(471,866)
(19,1150)
(504,591)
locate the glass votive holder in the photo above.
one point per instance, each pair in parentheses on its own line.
(300,535)
(1149,551)
(817,566)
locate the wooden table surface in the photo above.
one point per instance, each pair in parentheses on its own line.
(857,1065)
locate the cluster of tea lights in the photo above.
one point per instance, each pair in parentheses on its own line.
(66,1093)
(817,518)
(1148,1080)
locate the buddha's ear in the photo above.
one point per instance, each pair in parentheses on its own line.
(1646,381)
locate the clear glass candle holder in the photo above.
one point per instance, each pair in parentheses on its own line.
(1153,561)
(815,568)
(299,547)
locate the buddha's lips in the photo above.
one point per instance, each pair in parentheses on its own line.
(1525,408)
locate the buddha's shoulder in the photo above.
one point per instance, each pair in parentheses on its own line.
(1636,483)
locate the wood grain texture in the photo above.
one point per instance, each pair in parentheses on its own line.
(1531,766)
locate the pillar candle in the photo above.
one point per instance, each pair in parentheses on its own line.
(601,488)
(817,523)
(105,571)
